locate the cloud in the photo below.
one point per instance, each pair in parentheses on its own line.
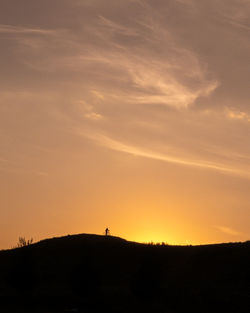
(238,115)
(88,109)
(136,74)
(117,28)
(173,77)
(10,29)
(227,230)
(115,145)
(142,59)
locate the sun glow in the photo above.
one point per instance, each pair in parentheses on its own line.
(152,236)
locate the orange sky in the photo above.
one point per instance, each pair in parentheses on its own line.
(128,114)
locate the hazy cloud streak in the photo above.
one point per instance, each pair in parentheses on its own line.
(10,29)
(141,152)
(227,230)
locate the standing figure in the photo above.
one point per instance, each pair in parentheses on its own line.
(107,233)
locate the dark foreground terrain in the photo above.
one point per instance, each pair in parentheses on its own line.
(90,273)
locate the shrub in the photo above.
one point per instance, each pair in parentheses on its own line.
(22,242)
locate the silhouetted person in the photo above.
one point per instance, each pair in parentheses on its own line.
(107,232)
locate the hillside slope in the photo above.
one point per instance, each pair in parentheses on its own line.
(91,273)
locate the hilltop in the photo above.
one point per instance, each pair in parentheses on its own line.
(92,273)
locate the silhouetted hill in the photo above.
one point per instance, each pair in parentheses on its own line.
(91,273)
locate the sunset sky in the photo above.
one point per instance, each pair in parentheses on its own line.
(131,114)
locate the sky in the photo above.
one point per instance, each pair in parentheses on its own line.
(127,114)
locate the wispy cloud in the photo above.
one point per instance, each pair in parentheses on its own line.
(177,79)
(118,28)
(129,54)
(227,230)
(238,115)
(88,111)
(116,145)
(10,29)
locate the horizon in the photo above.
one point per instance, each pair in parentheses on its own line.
(31,241)
(133,114)
(24,242)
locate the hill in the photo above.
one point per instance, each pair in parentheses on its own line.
(91,273)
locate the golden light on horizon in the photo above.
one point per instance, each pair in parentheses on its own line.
(152,237)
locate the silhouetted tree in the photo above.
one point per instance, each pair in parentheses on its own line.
(22,242)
